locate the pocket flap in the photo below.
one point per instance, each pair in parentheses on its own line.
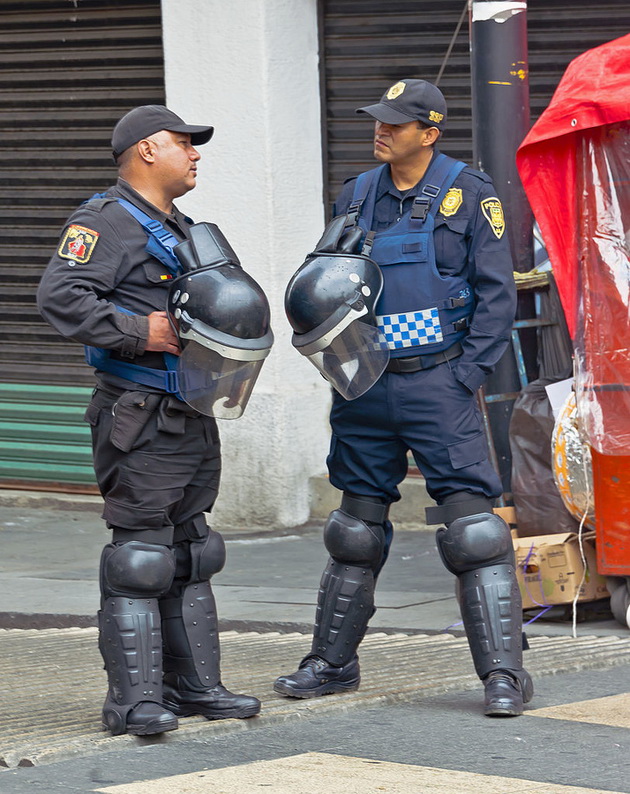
(401,249)
(465,453)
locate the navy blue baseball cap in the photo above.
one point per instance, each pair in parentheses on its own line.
(143,121)
(410,100)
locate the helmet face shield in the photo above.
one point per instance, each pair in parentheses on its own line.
(330,303)
(221,316)
(352,355)
(215,385)
(216,372)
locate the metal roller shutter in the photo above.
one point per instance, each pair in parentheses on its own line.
(68,70)
(368,45)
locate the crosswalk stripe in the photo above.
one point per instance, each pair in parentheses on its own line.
(613,710)
(308,772)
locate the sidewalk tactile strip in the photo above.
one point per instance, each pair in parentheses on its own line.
(54,684)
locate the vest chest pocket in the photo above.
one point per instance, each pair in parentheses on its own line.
(156,273)
(403,249)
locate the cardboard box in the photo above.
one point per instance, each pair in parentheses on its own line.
(549,569)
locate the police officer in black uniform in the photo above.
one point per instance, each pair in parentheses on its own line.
(436,229)
(157,459)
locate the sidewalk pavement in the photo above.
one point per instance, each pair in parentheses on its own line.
(265,596)
(51,546)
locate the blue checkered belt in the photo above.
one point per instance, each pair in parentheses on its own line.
(414,363)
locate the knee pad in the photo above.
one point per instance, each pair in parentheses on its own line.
(351,540)
(476,541)
(207,557)
(136,569)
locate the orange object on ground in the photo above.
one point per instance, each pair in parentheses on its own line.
(611,486)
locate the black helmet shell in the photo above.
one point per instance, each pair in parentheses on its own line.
(224,298)
(327,281)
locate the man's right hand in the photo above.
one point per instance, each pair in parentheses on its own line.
(161,337)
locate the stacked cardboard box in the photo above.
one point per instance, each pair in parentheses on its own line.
(550,569)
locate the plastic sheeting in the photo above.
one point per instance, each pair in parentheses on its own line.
(594,92)
(602,337)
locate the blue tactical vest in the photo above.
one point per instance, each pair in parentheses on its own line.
(420,311)
(160,244)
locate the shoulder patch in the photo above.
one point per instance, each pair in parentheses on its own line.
(452,201)
(78,244)
(493,212)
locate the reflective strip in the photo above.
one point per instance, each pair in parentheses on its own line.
(411,328)
(326,340)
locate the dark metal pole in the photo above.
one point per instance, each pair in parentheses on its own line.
(500,115)
(500,110)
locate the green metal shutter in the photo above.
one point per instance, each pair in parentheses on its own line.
(68,70)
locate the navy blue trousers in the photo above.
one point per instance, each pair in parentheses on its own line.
(428,413)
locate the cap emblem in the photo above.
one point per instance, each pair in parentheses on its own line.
(435,116)
(396,90)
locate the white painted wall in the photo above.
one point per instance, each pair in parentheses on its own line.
(250,68)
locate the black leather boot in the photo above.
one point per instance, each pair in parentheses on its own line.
(215,703)
(506,692)
(315,677)
(192,680)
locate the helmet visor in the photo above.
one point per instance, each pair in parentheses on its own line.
(213,384)
(352,356)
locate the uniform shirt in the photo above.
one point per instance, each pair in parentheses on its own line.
(101,263)
(471,243)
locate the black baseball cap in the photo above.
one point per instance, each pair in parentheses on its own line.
(143,121)
(410,100)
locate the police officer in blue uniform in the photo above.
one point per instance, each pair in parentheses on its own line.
(436,229)
(156,458)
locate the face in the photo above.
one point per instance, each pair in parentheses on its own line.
(399,144)
(175,160)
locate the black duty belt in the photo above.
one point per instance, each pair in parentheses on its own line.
(415,363)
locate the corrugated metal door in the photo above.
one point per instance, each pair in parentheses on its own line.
(68,70)
(368,45)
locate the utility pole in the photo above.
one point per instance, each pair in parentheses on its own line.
(500,110)
(501,119)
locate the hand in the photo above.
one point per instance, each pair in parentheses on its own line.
(161,337)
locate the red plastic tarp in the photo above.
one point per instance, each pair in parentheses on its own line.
(594,91)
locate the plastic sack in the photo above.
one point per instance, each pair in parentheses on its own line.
(572,466)
(539,507)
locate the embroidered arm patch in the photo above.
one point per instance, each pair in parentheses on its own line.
(78,244)
(493,212)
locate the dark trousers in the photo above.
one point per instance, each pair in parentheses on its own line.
(166,477)
(428,413)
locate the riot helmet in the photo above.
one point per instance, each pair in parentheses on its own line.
(222,318)
(330,305)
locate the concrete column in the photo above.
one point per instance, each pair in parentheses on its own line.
(250,68)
